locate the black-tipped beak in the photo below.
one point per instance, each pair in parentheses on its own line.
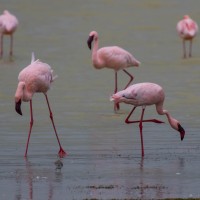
(181,131)
(89,41)
(18,107)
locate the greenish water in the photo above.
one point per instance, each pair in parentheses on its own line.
(104,160)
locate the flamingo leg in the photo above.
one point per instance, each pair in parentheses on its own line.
(116,105)
(138,121)
(190,52)
(31,125)
(184,49)
(1,48)
(141,135)
(11,45)
(131,78)
(61,152)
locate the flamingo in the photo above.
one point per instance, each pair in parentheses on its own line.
(146,94)
(8,25)
(187,30)
(112,57)
(36,77)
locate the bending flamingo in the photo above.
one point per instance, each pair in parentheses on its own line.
(8,25)
(36,77)
(187,30)
(112,57)
(146,94)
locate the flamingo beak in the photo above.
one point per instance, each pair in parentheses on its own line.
(89,41)
(18,107)
(182,131)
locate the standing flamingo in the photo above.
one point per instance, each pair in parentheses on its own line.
(112,57)
(8,25)
(36,77)
(187,30)
(146,94)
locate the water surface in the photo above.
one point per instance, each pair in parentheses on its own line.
(104,158)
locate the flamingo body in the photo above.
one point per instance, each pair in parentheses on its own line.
(35,78)
(187,30)
(146,94)
(111,57)
(8,25)
(115,58)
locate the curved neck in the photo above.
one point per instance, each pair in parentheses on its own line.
(22,93)
(95,58)
(173,122)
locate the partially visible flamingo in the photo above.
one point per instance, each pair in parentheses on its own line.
(112,57)
(146,94)
(8,25)
(36,77)
(187,30)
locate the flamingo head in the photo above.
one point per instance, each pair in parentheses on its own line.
(181,131)
(186,17)
(89,41)
(18,106)
(92,36)
(115,98)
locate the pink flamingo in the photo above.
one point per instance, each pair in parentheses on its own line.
(187,30)
(8,25)
(146,94)
(36,77)
(112,57)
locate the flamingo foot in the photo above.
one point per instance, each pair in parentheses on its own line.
(62,153)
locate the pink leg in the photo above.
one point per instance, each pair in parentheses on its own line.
(61,152)
(11,45)
(131,78)
(116,105)
(31,125)
(184,49)
(190,52)
(141,135)
(140,124)
(1,48)
(137,121)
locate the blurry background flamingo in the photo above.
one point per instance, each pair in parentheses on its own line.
(8,25)
(36,77)
(112,57)
(146,94)
(187,30)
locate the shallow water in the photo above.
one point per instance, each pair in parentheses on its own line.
(104,158)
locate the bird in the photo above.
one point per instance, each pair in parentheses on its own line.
(8,25)
(187,30)
(111,57)
(35,78)
(146,94)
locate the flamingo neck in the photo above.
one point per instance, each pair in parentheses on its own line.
(22,93)
(173,122)
(95,58)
